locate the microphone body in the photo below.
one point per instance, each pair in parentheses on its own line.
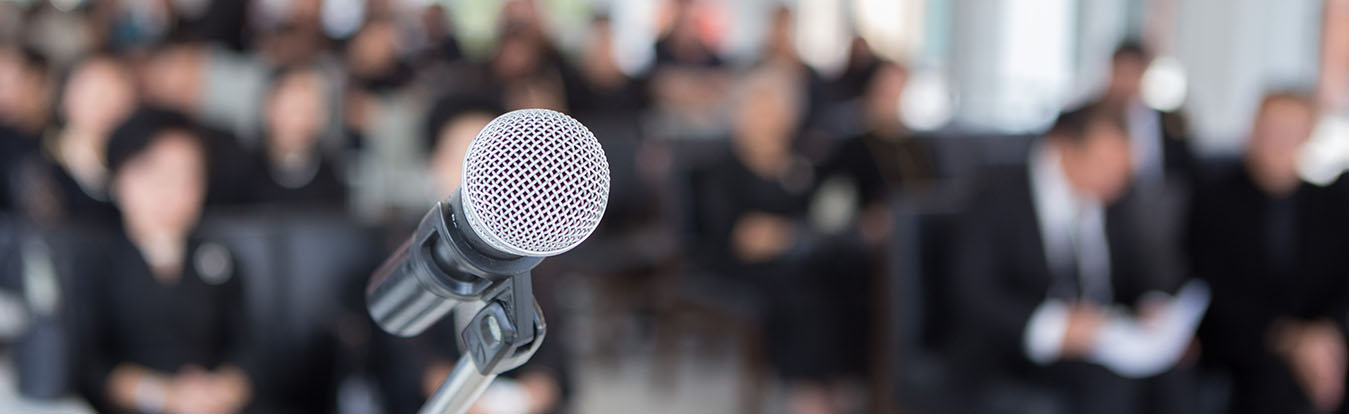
(444,264)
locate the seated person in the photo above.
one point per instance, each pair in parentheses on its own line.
(99,92)
(1046,268)
(1161,152)
(884,159)
(753,207)
(293,166)
(166,320)
(1270,244)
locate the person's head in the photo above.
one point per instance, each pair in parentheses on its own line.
(1127,66)
(157,166)
(99,93)
(780,43)
(436,22)
(542,91)
(768,111)
(1283,124)
(373,51)
(518,55)
(683,30)
(24,87)
(450,127)
(1094,151)
(599,52)
(296,112)
(882,99)
(172,75)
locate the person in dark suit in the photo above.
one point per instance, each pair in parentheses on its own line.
(597,85)
(292,166)
(1161,151)
(1044,257)
(755,242)
(1270,245)
(885,159)
(166,331)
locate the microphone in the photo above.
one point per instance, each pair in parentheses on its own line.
(535,184)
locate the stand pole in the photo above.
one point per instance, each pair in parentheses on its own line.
(458,392)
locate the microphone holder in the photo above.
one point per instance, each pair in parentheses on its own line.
(498,333)
(443,270)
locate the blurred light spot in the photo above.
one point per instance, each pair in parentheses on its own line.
(341,18)
(1164,84)
(821,35)
(890,27)
(66,5)
(926,103)
(1326,155)
(634,30)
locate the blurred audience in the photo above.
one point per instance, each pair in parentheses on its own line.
(755,203)
(599,86)
(165,331)
(1161,151)
(99,93)
(293,166)
(1272,247)
(883,160)
(783,175)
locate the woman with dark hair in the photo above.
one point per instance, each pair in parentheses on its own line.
(166,324)
(294,168)
(99,92)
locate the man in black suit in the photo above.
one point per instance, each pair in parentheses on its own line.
(1046,260)
(1271,247)
(1161,152)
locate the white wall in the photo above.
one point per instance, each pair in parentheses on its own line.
(1233,51)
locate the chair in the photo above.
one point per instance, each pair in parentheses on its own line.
(914,332)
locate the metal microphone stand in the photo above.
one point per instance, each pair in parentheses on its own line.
(497,333)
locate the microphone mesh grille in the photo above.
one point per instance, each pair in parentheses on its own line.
(536,183)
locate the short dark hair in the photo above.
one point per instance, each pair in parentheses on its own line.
(1072,125)
(449,108)
(280,74)
(141,130)
(1131,48)
(34,60)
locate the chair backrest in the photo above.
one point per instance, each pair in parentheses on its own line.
(918,314)
(689,206)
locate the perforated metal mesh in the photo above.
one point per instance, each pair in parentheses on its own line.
(536,183)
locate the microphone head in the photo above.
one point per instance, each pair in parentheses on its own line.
(535,183)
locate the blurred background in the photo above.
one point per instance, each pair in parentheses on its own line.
(817,206)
